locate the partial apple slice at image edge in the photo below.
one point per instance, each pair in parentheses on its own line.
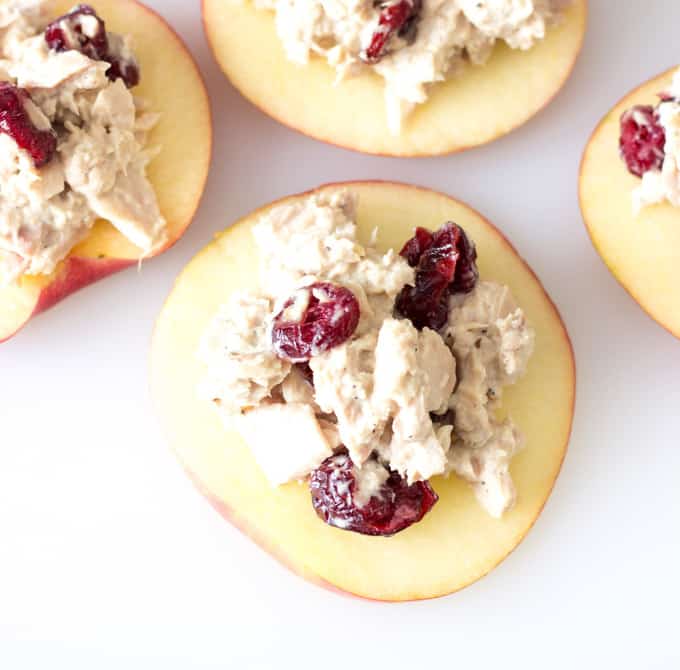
(172,85)
(457,542)
(642,251)
(480,105)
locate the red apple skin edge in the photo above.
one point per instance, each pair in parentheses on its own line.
(77,273)
(225,512)
(458,150)
(595,132)
(275,552)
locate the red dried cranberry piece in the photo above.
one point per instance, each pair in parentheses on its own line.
(126,70)
(423,311)
(16,122)
(416,246)
(436,267)
(445,262)
(395,18)
(329,318)
(396,507)
(642,140)
(82,30)
(79,30)
(467,274)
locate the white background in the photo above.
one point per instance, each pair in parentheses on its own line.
(110,559)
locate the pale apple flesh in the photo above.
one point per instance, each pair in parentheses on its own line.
(642,251)
(457,542)
(173,86)
(465,111)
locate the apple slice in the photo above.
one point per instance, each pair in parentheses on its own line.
(173,86)
(457,542)
(642,251)
(463,112)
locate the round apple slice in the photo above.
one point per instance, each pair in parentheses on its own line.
(642,251)
(480,105)
(172,84)
(457,542)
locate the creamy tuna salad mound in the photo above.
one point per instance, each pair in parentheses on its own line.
(368,373)
(650,146)
(410,43)
(72,137)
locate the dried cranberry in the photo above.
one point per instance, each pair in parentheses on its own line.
(16,122)
(409,31)
(74,32)
(642,140)
(328,319)
(445,262)
(397,506)
(416,246)
(467,274)
(126,70)
(395,18)
(422,310)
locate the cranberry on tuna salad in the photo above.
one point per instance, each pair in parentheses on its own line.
(82,30)
(396,18)
(15,121)
(642,139)
(315,319)
(386,506)
(649,145)
(445,262)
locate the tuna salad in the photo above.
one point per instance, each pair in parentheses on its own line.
(73,138)
(366,374)
(410,43)
(650,147)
